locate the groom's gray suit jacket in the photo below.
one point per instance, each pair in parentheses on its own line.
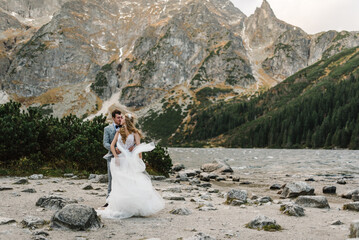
(108,136)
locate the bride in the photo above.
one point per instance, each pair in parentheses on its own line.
(132,192)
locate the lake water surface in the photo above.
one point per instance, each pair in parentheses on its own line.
(277,161)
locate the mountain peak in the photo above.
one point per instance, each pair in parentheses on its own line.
(265,9)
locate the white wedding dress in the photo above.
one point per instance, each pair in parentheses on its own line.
(132,192)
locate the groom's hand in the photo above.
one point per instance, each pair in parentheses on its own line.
(118,151)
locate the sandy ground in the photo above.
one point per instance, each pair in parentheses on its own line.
(227,222)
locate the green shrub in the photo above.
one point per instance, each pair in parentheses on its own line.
(158,161)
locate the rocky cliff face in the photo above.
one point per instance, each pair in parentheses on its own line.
(148,50)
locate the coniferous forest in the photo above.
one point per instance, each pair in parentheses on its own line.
(317,107)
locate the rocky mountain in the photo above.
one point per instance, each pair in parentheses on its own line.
(147,54)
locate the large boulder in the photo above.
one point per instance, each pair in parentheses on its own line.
(313,201)
(353,206)
(292,209)
(53,202)
(295,189)
(217,166)
(76,217)
(236,197)
(349,194)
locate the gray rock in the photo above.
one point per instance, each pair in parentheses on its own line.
(236,197)
(342,181)
(275,186)
(29,190)
(295,189)
(158,178)
(313,201)
(213,175)
(87,186)
(180,211)
(5,188)
(69,175)
(53,202)
(32,222)
(265,199)
(204,185)
(355,197)
(103,178)
(217,166)
(194,181)
(204,176)
(76,217)
(36,176)
(235,178)
(22,181)
(92,176)
(220,178)
(329,189)
(353,206)
(213,190)
(174,198)
(338,222)
(200,236)
(182,176)
(261,222)
(173,189)
(349,194)
(4,220)
(190,173)
(354,229)
(178,167)
(292,209)
(309,180)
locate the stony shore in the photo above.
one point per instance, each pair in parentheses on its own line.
(211,203)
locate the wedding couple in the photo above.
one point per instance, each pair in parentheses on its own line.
(130,191)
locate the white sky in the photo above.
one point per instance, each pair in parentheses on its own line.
(312,16)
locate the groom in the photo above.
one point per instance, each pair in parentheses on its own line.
(108,136)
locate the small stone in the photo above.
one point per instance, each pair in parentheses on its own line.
(355,197)
(204,176)
(173,189)
(213,175)
(92,176)
(178,167)
(22,181)
(29,190)
(265,199)
(5,188)
(350,194)
(182,176)
(236,197)
(245,183)
(53,202)
(341,181)
(235,178)
(275,186)
(32,222)
(338,222)
(220,178)
(174,198)
(329,189)
(295,189)
(212,190)
(191,173)
(309,180)
(205,185)
(87,187)
(200,236)
(68,175)
(158,178)
(36,176)
(194,181)
(180,211)
(4,220)
(263,222)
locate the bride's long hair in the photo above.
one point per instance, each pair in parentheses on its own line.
(131,127)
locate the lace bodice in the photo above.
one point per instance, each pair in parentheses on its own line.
(130,141)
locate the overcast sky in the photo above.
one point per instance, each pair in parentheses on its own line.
(312,16)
